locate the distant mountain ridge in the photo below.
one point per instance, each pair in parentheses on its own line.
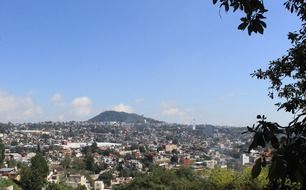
(109,116)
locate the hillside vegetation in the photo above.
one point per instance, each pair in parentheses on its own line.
(187,179)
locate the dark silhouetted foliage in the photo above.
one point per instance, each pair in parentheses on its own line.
(287,78)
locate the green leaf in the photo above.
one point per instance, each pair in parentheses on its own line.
(260,29)
(256,168)
(263,24)
(274,142)
(278,168)
(261,16)
(261,141)
(226,6)
(254,142)
(272,127)
(244,19)
(242,26)
(264,162)
(250,29)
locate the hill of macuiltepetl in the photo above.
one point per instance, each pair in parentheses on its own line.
(114,116)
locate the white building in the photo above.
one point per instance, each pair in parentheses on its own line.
(210,163)
(99,185)
(76,180)
(245,159)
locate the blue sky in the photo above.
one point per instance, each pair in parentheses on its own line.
(174,60)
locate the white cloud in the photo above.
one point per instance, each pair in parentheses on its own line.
(123,108)
(139,100)
(30,107)
(171,110)
(61,118)
(7,102)
(14,108)
(81,106)
(57,99)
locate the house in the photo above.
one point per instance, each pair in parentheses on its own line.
(10,173)
(11,187)
(75,180)
(170,147)
(53,177)
(99,185)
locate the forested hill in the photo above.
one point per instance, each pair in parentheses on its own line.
(109,116)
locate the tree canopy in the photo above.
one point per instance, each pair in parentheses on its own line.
(4,183)
(186,178)
(34,177)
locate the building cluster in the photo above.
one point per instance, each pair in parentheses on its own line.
(99,155)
